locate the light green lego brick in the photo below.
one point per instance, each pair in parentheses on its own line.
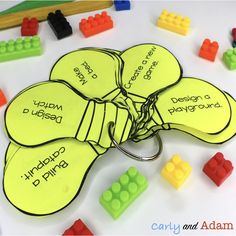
(230,58)
(123,192)
(20,48)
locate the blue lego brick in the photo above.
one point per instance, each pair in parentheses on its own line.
(122,5)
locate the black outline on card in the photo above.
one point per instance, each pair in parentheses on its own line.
(216,89)
(76,194)
(213,143)
(68,86)
(162,89)
(91,121)
(86,109)
(109,53)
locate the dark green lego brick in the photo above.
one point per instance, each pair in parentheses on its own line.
(123,192)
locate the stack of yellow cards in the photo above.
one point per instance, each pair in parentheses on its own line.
(58,128)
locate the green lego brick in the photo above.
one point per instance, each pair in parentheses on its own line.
(20,48)
(230,58)
(123,192)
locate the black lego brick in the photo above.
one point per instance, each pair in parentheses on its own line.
(59,24)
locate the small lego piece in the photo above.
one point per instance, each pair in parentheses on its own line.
(218,169)
(209,50)
(94,25)
(123,192)
(234,44)
(176,171)
(229,58)
(20,48)
(172,22)
(122,5)
(78,228)
(3,99)
(29,27)
(59,24)
(234,33)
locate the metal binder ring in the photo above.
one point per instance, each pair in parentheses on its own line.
(131,155)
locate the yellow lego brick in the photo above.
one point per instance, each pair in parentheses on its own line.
(176,171)
(175,23)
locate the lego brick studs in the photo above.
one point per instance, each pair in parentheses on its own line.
(218,169)
(97,24)
(173,22)
(176,171)
(209,50)
(59,24)
(123,192)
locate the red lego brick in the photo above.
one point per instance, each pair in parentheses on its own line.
(218,169)
(234,33)
(209,50)
(3,99)
(78,228)
(29,27)
(97,24)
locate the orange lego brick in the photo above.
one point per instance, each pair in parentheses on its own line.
(97,24)
(173,22)
(176,171)
(3,99)
(209,50)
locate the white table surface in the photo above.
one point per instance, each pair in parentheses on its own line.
(198,200)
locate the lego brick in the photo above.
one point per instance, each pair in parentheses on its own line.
(29,27)
(229,58)
(97,24)
(123,192)
(234,34)
(3,99)
(122,5)
(20,48)
(209,50)
(234,44)
(218,169)
(176,171)
(173,22)
(78,228)
(59,24)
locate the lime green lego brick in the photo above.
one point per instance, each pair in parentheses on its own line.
(123,192)
(229,58)
(176,171)
(20,48)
